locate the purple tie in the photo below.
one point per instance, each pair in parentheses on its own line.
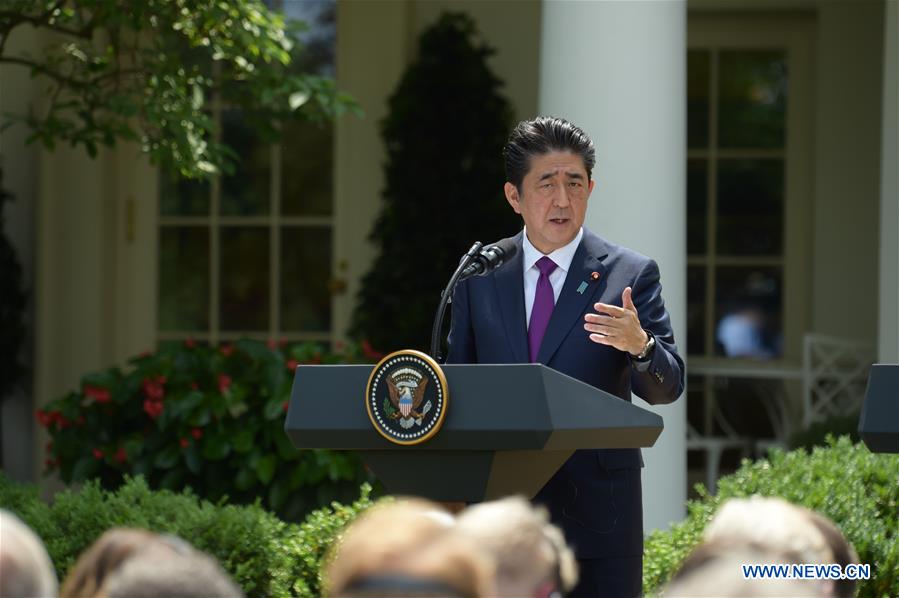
(543,306)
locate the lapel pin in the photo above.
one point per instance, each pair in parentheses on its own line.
(595,276)
(582,288)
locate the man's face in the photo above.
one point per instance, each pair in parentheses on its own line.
(553,199)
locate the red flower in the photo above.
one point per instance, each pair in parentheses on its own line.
(49,463)
(196,433)
(339,346)
(63,422)
(190,343)
(184,442)
(44,418)
(227,349)
(271,344)
(285,406)
(98,394)
(153,388)
(282,342)
(144,354)
(369,351)
(317,358)
(153,408)
(224,383)
(194,385)
(120,455)
(98,454)
(292,364)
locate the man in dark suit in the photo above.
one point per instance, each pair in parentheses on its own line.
(590,309)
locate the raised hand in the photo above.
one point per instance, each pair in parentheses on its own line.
(617,327)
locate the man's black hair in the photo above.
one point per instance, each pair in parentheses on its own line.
(543,135)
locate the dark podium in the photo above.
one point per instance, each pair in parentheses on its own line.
(879,422)
(508,428)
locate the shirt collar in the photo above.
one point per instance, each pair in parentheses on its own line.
(561,256)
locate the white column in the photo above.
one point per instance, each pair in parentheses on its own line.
(618,70)
(888,328)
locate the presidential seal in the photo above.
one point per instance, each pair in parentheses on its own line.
(406,397)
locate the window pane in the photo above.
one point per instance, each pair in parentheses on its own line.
(749,312)
(698,98)
(697,206)
(182,197)
(752,99)
(750,207)
(306,174)
(183,278)
(696,397)
(244,302)
(245,192)
(696,309)
(305,272)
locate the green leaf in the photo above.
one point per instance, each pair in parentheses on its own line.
(265,468)
(243,440)
(85,468)
(245,479)
(167,458)
(274,408)
(215,448)
(192,459)
(278,493)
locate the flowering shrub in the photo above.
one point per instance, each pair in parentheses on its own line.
(204,417)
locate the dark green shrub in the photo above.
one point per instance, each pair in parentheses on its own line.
(857,489)
(444,134)
(264,555)
(207,418)
(816,434)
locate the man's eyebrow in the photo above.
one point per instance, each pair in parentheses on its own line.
(571,174)
(574,175)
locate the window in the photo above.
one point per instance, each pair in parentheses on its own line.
(249,254)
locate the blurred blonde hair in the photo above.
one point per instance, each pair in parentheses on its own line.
(408,539)
(105,556)
(25,567)
(528,549)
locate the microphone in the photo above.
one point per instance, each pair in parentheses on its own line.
(490,258)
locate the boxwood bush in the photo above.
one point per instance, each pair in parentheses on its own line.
(857,489)
(263,554)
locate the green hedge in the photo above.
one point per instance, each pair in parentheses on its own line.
(857,489)
(264,555)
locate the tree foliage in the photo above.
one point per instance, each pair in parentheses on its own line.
(147,72)
(444,134)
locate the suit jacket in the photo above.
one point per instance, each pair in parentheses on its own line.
(595,496)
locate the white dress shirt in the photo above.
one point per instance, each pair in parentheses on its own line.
(561,256)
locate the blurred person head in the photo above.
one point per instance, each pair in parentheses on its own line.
(106,555)
(842,551)
(772,525)
(155,571)
(531,556)
(406,548)
(715,570)
(25,567)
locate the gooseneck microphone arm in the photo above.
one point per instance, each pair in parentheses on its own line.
(447,295)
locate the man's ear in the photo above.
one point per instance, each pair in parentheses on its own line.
(591,186)
(512,197)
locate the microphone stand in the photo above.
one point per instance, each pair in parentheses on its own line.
(446,296)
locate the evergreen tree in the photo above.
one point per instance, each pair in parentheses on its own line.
(445,130)
(12,308)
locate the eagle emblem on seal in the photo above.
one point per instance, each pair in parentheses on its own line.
(406,397)
(406,388)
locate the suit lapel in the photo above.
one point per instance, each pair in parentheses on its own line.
(509,280)
(571,305)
